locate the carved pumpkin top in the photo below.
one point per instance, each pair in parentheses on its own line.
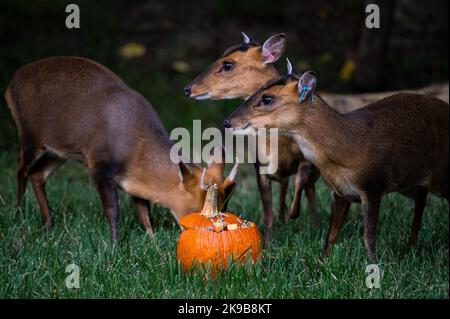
(211,219)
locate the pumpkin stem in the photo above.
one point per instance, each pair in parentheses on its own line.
(210,207)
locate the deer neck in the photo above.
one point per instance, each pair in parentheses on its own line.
(152,175)
(326,137)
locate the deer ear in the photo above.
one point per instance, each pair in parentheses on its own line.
(232,176)
(218,155)
(229,184)
(216,162)
(307,84)
(187,177)
(274,48)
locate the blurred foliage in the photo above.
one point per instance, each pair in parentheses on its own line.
(255,8)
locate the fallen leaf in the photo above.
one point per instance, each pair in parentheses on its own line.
(348,70)
(181,66)
(132,50)
(326,57)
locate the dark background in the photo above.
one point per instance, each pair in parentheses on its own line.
(182,38)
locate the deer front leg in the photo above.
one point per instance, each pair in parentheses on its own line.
(294,212)
(339,211)
(310,190)
(371,208)
(107,191)
(283,191)
(143,210)
(265,190)
(300,180)
(420,201)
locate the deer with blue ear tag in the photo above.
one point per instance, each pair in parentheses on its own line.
(397,144)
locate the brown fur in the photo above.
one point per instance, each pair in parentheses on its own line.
(397,144)
(248,75)
(74,108)
(239,83)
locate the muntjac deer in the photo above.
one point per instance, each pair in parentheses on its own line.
(239,72)
(397,144)
(73,108)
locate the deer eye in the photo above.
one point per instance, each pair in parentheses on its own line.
(267,100)
(227,66)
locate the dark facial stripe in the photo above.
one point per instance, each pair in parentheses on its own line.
(281,80)
(240,47)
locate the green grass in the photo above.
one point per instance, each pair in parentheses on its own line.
(33,261)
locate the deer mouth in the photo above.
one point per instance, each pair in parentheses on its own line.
(203,96)
(243,130)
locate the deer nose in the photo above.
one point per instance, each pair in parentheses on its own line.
(227,123)
(187,90)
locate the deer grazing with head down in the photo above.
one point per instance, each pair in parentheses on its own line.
(397,144)
(73,108)
(239,72)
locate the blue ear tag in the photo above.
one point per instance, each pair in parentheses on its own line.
(305,90)
(302,96)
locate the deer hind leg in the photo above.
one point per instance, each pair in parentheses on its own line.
(21,178)
(29,155)
(143,210)
(284,185)
(38,174)
(21,158)
(420,200)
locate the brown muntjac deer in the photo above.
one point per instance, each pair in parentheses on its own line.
(74,108)
(397,144)
(239,72)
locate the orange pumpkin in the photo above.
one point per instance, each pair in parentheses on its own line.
(216,237)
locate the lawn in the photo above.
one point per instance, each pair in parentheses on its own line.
(33,261)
